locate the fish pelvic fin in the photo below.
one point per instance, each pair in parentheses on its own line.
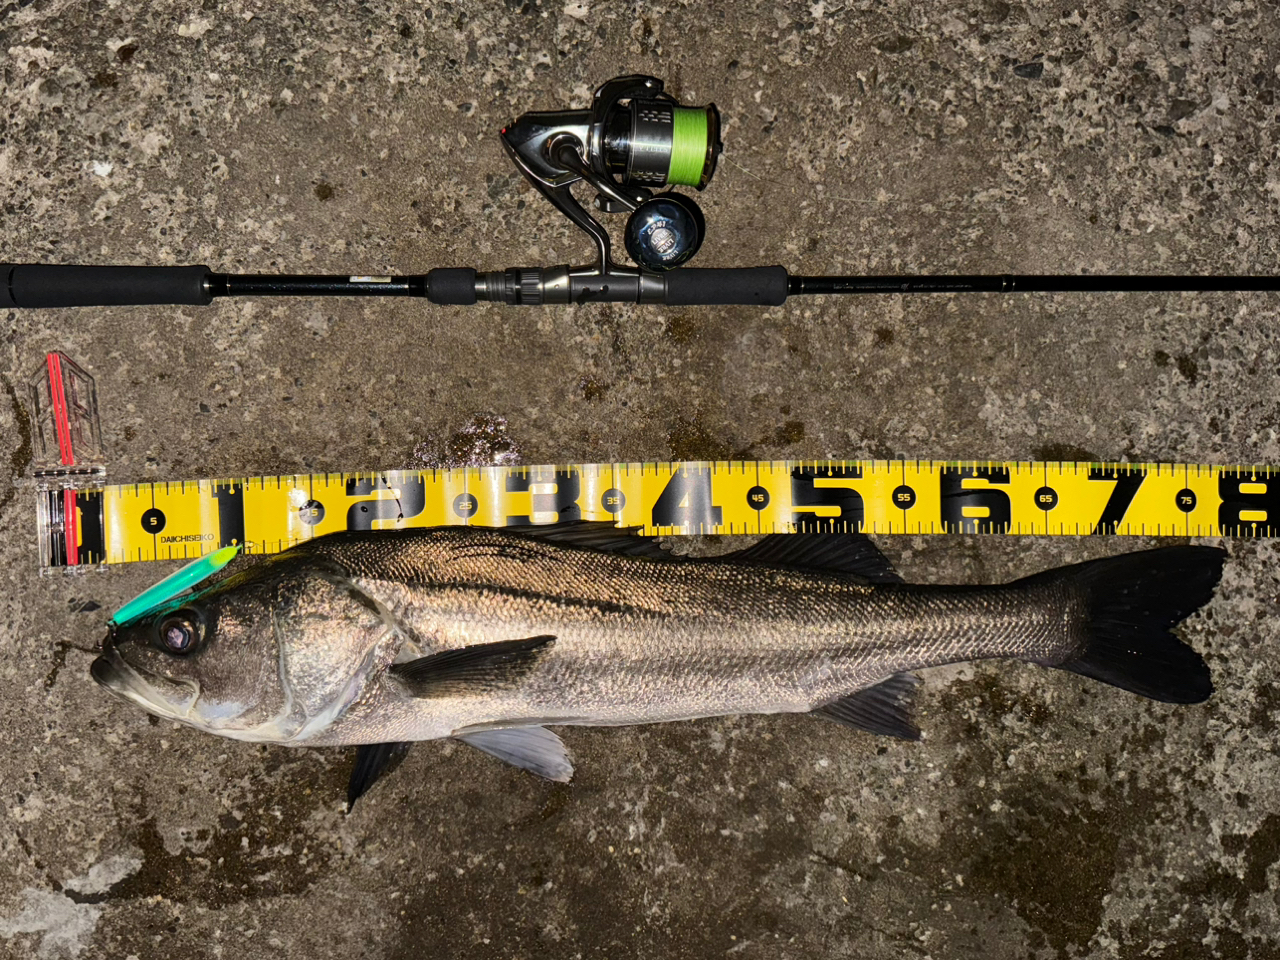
(883,709)
(373,761)
(1132,601)
(535,749)
(482,666)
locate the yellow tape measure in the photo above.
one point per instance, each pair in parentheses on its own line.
(181,520)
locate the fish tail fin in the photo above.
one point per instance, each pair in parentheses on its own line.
(1130,604)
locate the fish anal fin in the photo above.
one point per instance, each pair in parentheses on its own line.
(373,761)
(535,749)
(482,666)
(884,709)
(850,553)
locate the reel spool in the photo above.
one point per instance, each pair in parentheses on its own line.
(633,140)
(652,140)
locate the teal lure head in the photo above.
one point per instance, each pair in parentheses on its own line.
(171,586)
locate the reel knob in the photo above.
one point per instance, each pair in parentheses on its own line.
(664,232)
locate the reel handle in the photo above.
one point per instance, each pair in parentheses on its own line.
(42,285)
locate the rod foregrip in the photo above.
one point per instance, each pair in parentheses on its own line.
(451,286)
(753,286)
(40,285)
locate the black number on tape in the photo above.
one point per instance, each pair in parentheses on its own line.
(956,499)
(613,500)
(411,502)
(1046,498)
(153,520)
(686,502)
(757,498)
(1250,504)
(1127,483)
(564,501)
(93,537)
(230,499)
(311,513)
(806,493)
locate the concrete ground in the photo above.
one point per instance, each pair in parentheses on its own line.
(1043,815)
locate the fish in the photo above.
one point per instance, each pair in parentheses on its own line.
(489,636)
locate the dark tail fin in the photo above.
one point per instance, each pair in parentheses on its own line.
(1132,601)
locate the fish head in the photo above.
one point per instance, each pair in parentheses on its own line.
(272,654)
(210,660)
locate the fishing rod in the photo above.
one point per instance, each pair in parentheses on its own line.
(632,140)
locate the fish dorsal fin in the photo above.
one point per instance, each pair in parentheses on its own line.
(598,535)
(373,761)
(482,666)
(535,749)
(850,553)
(884,709)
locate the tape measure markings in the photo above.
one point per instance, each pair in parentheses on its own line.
(184,519)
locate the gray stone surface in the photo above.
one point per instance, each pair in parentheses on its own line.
(1041,817)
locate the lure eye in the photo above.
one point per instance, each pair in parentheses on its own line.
(180,633)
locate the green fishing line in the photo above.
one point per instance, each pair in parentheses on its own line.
(688,145)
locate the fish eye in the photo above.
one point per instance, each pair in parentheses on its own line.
(180,632)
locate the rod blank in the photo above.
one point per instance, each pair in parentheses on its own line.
(1030,283)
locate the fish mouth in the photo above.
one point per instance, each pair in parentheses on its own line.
(155,694)
(104,673)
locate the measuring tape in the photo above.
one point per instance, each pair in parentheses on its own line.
(185,519)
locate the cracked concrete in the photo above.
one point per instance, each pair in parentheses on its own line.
(1041,817)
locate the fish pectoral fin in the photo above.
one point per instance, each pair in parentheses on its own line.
(481,666)
(850,553)
(535,749)
(373,761)
(884,709)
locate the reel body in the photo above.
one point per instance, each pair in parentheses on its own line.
(633,140)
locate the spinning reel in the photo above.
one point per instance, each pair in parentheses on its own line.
(632,140)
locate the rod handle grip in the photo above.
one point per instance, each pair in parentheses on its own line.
(43,285)
(754,286)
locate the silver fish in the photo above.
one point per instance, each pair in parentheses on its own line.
(492,635)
